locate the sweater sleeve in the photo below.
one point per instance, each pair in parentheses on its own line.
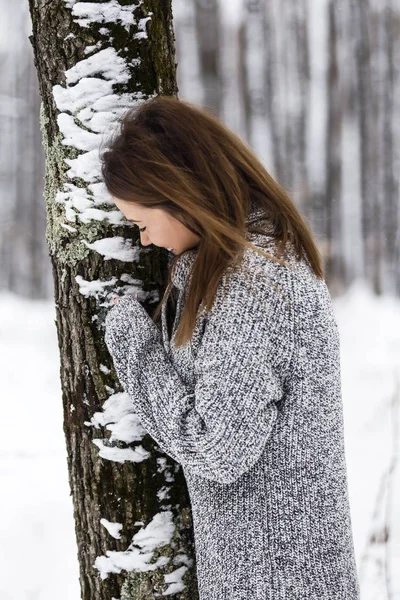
(219,429)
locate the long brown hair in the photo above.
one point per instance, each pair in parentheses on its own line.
(173,155)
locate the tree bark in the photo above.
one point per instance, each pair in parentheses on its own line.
(334,262)
(129,482)
(255,88)
(368,119)
(390,184)
(207,21)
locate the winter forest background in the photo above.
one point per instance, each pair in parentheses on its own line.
(314,88)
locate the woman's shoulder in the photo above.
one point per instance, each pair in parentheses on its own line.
(257,302)
(254,288)
(294,267)
(291,290)
(307,294)
(260,275)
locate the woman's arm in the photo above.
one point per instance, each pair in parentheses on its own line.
(218,430)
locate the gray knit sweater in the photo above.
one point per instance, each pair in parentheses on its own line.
(252,410)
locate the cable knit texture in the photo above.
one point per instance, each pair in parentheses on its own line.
(252,410)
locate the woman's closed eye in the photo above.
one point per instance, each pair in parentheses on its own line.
(132,221)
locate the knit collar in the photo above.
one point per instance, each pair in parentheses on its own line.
(179,275)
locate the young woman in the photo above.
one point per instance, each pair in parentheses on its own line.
(243,389)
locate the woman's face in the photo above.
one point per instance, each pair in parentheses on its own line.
(158,227)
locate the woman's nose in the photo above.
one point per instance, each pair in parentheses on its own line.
(144,239)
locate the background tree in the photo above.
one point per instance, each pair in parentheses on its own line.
(208,28)
(24,263)
(131,507)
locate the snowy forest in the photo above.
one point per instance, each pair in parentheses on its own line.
(313,88)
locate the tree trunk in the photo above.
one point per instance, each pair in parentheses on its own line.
(92,65)
(255,73)
(368,137)
(207,21)
(25,267)
(189,74)
(334,262)
(390,184)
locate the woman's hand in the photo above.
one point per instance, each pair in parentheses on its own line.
(128,330)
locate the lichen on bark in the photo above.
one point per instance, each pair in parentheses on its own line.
(146,585)
(65,245)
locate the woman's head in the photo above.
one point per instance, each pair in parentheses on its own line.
(190,181)
(158,227)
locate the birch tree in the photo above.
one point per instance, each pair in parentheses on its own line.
(94,60)
(207,18)
(187,51)
(368,122)
(390,184)
(255,89)
(333,150)
(24,261)
(287,71)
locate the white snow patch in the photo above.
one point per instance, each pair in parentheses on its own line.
(92,288)
(113,529)
(156,534)
(119,418)
(106,12)
(106,62)
(115,248)
(175,581)
(137,454)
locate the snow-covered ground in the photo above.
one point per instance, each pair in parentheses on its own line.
(37,550)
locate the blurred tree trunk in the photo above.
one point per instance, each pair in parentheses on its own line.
(30,263)
(25,267)
(255,74)
(390,184)
(368,122)
(275,92)
(208,38)
(189,76)
(334,262)
(92,65)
